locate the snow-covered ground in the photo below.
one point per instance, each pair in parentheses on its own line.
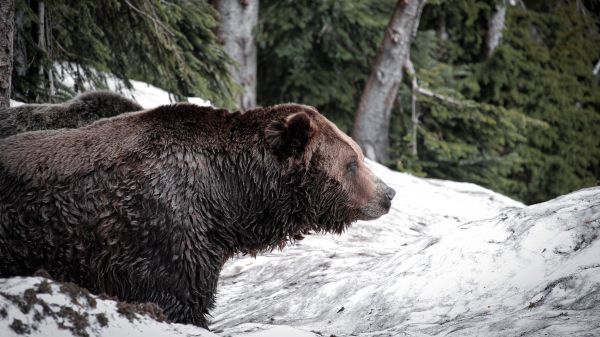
(450,259)
(147,95)
(35,306)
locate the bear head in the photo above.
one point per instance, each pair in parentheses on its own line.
(343,189)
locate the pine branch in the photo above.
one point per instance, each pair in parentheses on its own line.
(410,70)
(153,19)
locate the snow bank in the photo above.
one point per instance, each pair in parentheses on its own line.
(36,306)
(147,95)
(450,259)
(14,103)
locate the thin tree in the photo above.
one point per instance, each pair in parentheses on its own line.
(237,30)
(7,25)
(495,28)
(371,125)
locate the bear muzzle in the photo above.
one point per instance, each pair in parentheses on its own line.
(380,204)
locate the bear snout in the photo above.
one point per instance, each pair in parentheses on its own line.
(385,197)
(381,202)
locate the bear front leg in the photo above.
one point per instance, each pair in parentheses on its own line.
(180,312)
(190,304)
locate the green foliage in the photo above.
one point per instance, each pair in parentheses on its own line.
(544,68)
(319,52)
(527,119)
(458,138)
(523,122)
(169,44)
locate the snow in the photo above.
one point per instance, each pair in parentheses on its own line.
(450,258)
(147,95)
(14,103)
(47,316)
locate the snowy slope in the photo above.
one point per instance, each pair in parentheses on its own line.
(38,307)
(450,259)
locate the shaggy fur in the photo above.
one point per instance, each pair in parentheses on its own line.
(81,110)
(148,206)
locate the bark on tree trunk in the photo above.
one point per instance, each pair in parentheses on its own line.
(374,109)
(237,31)
(43,44)
(7,26)
(495,28)
(414,116)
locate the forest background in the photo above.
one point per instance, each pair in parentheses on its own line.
(504,94)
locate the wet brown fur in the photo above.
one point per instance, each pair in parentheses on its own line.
(147,206)
(81,110)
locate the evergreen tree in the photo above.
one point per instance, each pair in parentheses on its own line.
(544,68)
(521,120)
(532,134)
(458,138)
(169,44)
(319,52)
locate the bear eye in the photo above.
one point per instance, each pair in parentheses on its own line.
(351,167)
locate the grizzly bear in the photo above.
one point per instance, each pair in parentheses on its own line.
(81,110)
(148,206)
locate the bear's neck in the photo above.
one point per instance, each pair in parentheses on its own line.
(245,201)
(231,190)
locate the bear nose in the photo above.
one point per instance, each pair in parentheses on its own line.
(390,192)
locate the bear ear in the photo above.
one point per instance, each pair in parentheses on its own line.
(290,138)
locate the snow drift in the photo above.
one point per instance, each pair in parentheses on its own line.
(450,259)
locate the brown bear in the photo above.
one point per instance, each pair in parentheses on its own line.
(147,206)
(81,110)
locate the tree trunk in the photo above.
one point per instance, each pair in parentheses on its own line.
(414,116)
(495,28)
(374,109)
(7,26)
(43,45)
(237,32)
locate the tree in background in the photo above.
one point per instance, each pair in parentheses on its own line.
(169,44)
(528,130)
(495,27)
(520,117)
(543,68)
(7,11)
(458,138)
(237,31)
(319,52)
(515,116)
(371,126)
